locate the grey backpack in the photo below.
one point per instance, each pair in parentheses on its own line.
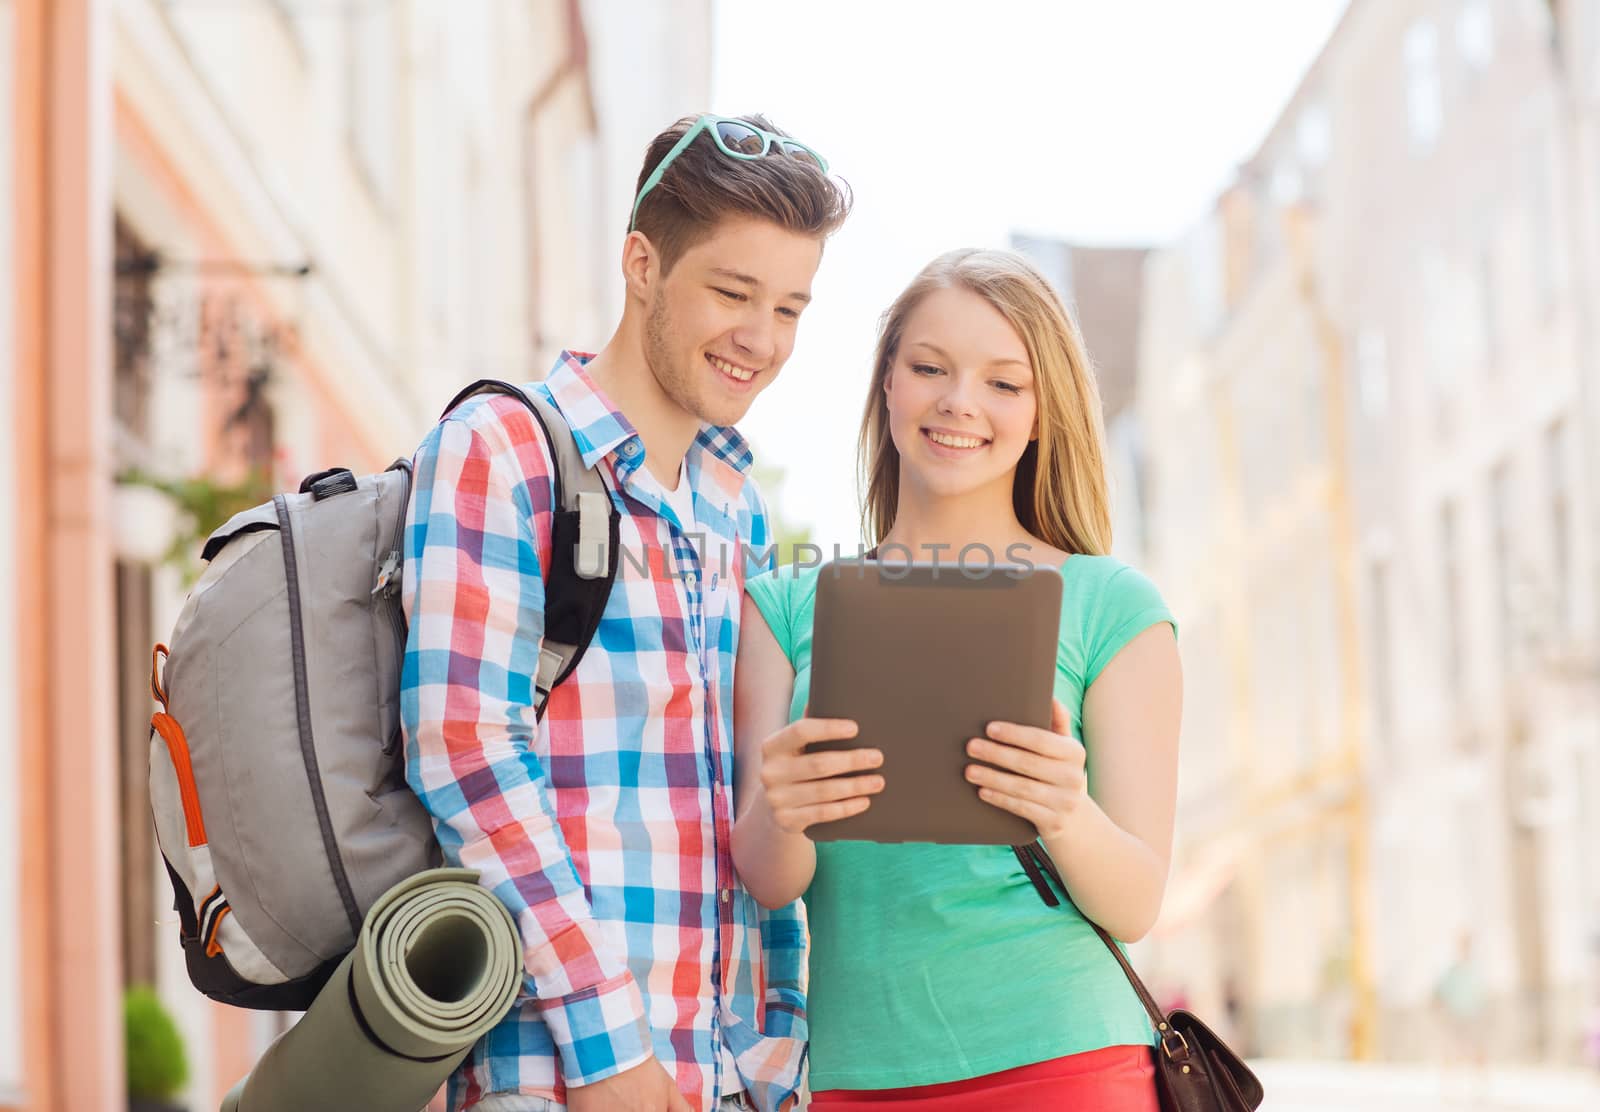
(277,774)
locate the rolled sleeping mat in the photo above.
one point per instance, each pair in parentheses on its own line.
(438,963)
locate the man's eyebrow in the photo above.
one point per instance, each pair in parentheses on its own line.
(941,353)
(753,282)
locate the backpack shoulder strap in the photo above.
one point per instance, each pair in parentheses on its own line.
(584,542)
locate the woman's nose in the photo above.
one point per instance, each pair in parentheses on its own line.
(957,399)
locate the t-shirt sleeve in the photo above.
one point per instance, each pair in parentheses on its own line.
(771,594)
(1129,605)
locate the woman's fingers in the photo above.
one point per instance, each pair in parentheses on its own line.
(798,807)
(1060,717)
(839,762)
(802,732)
(1036,813)
(825,791)
(1046,743)
(1023,761)
(1022,787)
(807,817)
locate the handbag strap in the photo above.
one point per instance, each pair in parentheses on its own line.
(1164,1029)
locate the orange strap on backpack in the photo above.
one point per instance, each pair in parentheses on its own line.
(178,749)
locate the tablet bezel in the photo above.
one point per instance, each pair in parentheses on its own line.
(999,667)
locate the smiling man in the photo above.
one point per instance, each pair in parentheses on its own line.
(652,981)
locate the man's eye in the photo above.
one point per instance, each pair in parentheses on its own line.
(732,295)
(792,314)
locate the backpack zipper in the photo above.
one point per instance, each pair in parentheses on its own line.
(388,591)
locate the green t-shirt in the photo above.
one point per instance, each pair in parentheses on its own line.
(934,963)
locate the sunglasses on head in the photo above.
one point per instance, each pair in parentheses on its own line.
(734,138)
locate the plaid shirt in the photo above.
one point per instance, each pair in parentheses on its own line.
(605,828)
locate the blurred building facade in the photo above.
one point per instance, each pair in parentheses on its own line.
(1368,388)
(1103,290)
(244,242)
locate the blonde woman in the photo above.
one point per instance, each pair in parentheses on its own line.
(939,979)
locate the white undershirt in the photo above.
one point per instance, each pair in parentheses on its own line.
(681,499)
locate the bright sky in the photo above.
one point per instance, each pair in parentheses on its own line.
(957,122)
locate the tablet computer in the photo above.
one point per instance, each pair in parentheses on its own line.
(922,657)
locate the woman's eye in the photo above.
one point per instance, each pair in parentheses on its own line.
(924,369)
(1009,387)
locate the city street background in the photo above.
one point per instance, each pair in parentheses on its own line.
(1337,263)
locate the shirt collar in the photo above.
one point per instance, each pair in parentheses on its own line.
(599,428)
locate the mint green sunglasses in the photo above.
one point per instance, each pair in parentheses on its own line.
(734,138)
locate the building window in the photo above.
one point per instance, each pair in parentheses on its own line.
(1380,655)
(1206,262)
(1488,312)
(1441,323)
(1314,136)
(1424,97)
(290,18)
(1591,19)
(1558,483)
(1286,188)
(1541,223)
(1372,372)
(1450,619)
(133,307)
(1475,35)
(371,62)
(1501,548)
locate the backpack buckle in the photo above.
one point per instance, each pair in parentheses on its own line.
(592,560)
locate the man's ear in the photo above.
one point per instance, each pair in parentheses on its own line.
(641,265)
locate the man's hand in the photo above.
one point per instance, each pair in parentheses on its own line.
(803,789)
(647,1087)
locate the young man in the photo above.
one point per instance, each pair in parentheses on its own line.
(653,982)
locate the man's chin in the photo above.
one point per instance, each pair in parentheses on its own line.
(723,411)
(724,416)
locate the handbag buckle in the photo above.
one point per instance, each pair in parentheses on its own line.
(1167,1047)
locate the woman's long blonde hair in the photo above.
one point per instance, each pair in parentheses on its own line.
(1060,489)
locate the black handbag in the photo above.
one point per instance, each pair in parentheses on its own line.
(1195,1070)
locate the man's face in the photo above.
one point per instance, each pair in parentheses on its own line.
(722,323)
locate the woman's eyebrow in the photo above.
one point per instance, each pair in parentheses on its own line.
(942,354)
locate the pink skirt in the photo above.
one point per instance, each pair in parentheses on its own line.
(1115,1079)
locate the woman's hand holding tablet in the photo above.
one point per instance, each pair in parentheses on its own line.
(1035,774)
(923,658)
(803,789)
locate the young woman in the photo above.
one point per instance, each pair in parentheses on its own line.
(939,978)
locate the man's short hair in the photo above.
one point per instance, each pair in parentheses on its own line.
(703,186)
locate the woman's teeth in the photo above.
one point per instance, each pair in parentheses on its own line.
(730,370)
(955,441)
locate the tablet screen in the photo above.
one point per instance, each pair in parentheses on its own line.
(923,657)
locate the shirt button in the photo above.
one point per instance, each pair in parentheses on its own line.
(630,449)
(727,894)
(713,581)
(691,579)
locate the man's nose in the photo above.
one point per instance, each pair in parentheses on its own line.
(756,337)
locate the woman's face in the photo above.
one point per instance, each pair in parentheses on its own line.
(960,396)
